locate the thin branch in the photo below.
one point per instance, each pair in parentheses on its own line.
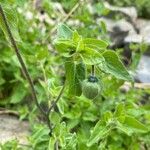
(66,18)
(12,112)
(14,46)
(126,86)
(52,106)
(68,15)
(72,11)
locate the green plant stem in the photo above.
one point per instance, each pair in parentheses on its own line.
(24,68)
(56,145)
(52,106)
(93,70)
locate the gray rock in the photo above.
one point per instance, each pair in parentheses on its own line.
(118,30)
(131,30)
(143,70)
(128,11)
(143,36)
(11,128)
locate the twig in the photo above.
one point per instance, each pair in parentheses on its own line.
(9,112)
(66,18)
(126,86)
(72,11)
(14,45)
(25,145)
(52,106)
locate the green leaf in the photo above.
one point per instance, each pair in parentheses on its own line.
(51,144)
(73,113)
(135,124)
(55,118)
(2,81)
(102,145)
(81,70)
(40,136)
(114,66)
(73,77)
(103,26)
(70,75)
(99,132)
(124,129)
(80,76)
(92,57)
(110,85)
(71,141)
(120,110)
(10,144)
(12,19)
(95,44)
(19,92)
(42,54)
(64,46)
(80,45)
(76,37)
(107,116)
(64,32)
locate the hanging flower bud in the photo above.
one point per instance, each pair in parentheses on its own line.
(91,87)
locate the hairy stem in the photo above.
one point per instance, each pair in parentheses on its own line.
(52,106)
(24,68)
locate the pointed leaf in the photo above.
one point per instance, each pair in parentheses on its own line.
(70,75)
(92,57)
(114,66)
(64,46)
(96,44)
(73,76)
(76,37)
(80,46)
(19,92)
(124,129)
(107,116)
(120,110)
(99,132)
(81,71)
(64,32)
(12,20)
(135,124)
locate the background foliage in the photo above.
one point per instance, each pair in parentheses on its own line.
(116,120)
